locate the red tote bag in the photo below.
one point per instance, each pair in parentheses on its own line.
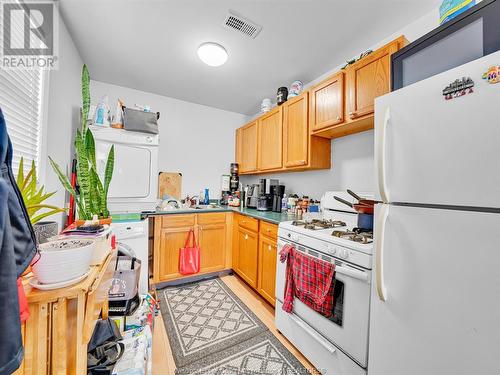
(189,256)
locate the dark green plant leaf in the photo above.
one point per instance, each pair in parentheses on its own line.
(90,146)
(82,170)
(85,96)
(67,185)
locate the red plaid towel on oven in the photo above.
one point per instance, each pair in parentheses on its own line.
(309,279)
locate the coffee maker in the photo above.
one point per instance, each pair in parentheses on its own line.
(279,192)
(252,196)
(267,188)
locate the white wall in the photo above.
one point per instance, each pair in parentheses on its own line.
(196,140)
(62,114)
(352,156)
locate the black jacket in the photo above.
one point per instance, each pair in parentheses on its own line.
(17,249)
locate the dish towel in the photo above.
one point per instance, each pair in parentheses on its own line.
(309,279)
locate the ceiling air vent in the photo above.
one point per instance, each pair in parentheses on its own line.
(241,24)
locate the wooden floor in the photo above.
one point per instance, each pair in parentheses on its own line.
(163,361)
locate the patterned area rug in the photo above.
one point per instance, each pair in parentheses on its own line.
(212,332)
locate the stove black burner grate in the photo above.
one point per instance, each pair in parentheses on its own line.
(357,235)
(317,224)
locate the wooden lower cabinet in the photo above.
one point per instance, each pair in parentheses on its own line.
(267,268)
(171,231)
(247,255)
(227,240)
(171,240)
(212,239)
(255,253)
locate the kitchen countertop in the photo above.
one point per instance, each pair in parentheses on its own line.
(269,216)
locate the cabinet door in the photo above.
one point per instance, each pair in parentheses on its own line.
(327,103)
(247,256)
(267,268)
(212,239)
(367,79)
(296,131)
(170,242)
(238,146)
(270,140)
(249,147)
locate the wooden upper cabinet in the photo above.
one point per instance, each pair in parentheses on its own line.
(296,131)
(271,140)
(249,146)
(369,78)
(327,103)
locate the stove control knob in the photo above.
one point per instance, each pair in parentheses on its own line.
(331,249)
(344,254)
(295,238)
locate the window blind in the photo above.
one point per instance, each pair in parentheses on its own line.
(21,102)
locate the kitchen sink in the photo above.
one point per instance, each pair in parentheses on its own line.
(205,207)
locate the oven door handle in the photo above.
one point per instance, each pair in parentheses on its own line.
(360,275)
(315,335)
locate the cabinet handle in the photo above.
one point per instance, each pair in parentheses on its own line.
(339,118)
(353,114)
(269,247)
(243,222)
(246,236)
(268,230)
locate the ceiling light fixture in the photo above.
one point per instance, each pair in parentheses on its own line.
(212,54)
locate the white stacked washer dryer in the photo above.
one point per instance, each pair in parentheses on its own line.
(134,187)
(337,345)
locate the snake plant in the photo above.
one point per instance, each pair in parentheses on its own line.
(33,196)
(93,193)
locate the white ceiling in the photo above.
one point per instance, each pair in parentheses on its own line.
(150,45)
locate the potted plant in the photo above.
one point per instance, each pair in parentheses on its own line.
(92,199)
(34,199)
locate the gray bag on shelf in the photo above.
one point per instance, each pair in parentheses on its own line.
(140,121)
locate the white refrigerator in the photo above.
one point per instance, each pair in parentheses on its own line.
(435,301)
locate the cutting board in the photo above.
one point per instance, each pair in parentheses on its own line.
(170,183)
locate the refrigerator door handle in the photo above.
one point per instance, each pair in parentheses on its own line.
(382,183)
(379,259)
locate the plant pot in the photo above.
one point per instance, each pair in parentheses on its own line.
(106,221)
(45,230)
(63,260)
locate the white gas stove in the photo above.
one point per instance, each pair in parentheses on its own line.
(338,345)
(333,232)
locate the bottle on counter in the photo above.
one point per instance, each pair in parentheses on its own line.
(242,198)
(292,204)
(284,204)
(207,197)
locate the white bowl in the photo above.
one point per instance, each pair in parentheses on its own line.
(63,260)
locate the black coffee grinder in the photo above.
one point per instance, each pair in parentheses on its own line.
(234,179)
